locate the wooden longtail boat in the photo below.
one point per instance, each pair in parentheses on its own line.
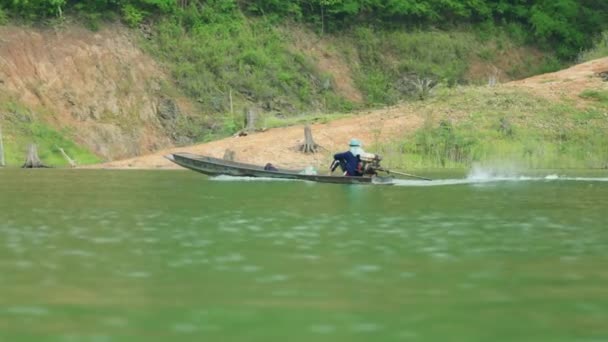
(216,167)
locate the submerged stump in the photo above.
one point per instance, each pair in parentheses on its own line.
(32,160)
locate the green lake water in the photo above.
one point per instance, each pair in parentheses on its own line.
(99,255)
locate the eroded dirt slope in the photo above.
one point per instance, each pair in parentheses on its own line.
(97,84)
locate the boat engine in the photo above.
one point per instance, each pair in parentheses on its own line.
(370,163)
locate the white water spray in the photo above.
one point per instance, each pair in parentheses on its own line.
(477,175)
(502,173)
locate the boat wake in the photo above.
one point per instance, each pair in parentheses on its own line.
(475,177)
(480,178)
(224,178)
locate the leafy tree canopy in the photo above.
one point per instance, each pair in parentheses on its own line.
(566,26)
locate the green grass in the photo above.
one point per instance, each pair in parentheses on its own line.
(249,59)
(233,64)
(598,95)
(387,62)
(22,127)
(501,126)
(3,17)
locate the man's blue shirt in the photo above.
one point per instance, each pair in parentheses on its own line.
(350,162)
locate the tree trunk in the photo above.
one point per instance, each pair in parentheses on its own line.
(2,164)
(32,160)
(231,105)
(309,145)
(229,155)
(249,120)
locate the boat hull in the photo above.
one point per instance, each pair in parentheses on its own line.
(215,167)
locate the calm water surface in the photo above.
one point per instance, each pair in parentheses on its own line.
(174,256)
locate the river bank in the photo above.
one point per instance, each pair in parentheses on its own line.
(554,121)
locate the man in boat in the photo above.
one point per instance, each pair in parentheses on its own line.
(355,162)
(350,161)
(270,167)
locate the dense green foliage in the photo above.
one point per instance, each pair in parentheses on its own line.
(562,25)
(599,49)
(227,62)
(402,57)
(233,59)
(390,63)
(3,17)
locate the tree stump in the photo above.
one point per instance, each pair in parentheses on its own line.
(250,118)
(32,160)
(309,145)
(229,155)
(493,78)
(1,150)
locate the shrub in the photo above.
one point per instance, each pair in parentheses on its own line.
(599,50)
(132,15)
(393,61)
(444,144)
(3,17)
(597,95)
(248,58)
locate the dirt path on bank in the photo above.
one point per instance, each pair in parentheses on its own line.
(280,145)
(567,83)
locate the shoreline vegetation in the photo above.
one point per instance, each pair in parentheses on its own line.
(498,125)
(229,56)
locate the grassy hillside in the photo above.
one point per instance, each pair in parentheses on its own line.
(21,127)
(505,126)
(389,63)
(235,62)
(228,62)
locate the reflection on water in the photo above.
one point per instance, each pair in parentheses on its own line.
(122,256)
